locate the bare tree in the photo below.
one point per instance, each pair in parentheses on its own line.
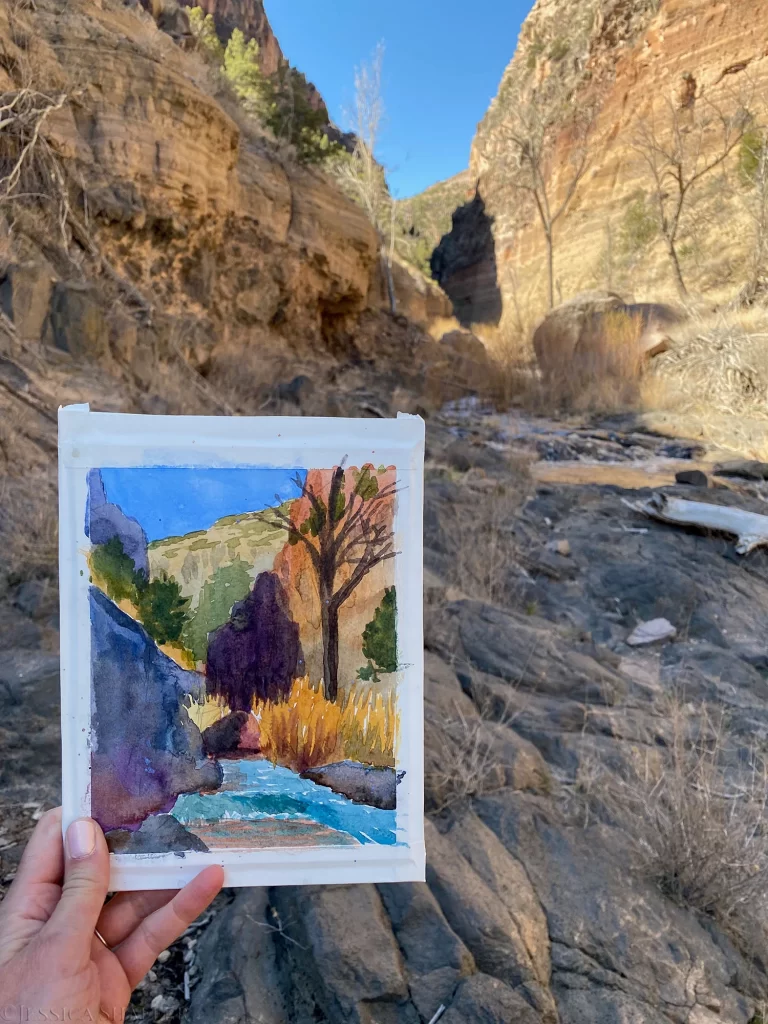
(680,145)
(360,175)
(529,139)
(354,532)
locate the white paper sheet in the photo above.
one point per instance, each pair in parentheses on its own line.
(110,443)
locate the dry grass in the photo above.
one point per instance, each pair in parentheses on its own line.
(479,537)
(718,364)
(470,761)
(29,527)
(603,376)
(699,830)
(306,730)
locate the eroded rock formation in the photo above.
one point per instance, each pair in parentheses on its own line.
(630,63)
(146,750)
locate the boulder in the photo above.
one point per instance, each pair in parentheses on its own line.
(159,833)
(138,695)
(223,737)
(25,293)
(257,653)
(572,334)
(76,322)
(360,783)
(692,478)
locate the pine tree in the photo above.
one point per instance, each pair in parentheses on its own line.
(242,71)
(204,30)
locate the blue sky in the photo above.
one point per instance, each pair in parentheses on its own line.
(172,502)
(443,64)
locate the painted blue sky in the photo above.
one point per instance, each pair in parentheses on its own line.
(443,63)
(170,502)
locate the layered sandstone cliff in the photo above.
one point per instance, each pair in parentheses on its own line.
(176,242)
(674,63)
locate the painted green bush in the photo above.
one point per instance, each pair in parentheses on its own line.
(380,639)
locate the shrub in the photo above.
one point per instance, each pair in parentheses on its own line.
(698,830)
(162,608)
(479,539)
(292,117)
(640,225)
(115,570)
(380,638)
(206,38)
(559,48)
(306,730)
(242,71)
(750,155)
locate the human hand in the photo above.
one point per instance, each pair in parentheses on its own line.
(51,960)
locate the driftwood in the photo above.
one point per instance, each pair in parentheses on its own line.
(750,529)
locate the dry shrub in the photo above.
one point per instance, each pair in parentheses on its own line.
(29,527)
(306,730)
(471,765)
(479,536)
(719,364)
(604,373)
(515,376)
(699,830)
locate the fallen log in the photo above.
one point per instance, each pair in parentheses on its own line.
(749,528)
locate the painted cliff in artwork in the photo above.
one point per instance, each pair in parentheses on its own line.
(244,657)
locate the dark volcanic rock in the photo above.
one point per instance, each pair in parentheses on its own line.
(745,469)
(361,783)
(223,737)
(692,477)
(159,833)
(137,700)
(257,654)
(105,520)
(76,321)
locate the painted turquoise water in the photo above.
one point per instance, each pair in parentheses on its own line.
(255,790)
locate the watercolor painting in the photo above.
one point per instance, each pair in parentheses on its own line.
(244,657)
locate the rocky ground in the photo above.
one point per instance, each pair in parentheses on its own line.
(543,901)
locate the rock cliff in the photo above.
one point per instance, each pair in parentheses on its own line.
(668,64)
(180,246)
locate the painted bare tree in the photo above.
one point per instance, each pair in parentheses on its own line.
(681,144)
(353,532)
(529,140)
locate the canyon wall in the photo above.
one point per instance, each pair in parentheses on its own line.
(178,244)
(633,63)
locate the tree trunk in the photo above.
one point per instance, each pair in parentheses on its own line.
(330,625)
(675,261)
(386,267)
(550,269)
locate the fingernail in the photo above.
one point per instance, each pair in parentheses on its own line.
(81,839)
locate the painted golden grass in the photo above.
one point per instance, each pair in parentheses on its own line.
(306,730)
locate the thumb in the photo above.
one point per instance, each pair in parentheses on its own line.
(86,880)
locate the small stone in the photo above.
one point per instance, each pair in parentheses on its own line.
(560,547)
(692,477)
(164,1004)
(651,633)
(164,957)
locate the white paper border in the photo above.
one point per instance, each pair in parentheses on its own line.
(99,440)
